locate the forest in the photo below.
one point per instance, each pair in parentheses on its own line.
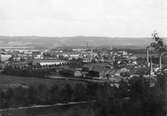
(132,97)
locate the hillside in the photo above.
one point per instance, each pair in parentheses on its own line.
(51,42)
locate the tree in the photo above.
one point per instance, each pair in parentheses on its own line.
(91,89)
(159,46)
(43,94)
(32,95)
(108,103)
(4,99)
(141,61)
(79,93)
(66,93)
(55,94)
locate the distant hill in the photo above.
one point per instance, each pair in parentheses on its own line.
(51,42)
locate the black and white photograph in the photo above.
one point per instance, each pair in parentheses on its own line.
(83,57)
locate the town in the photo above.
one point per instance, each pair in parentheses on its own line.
(83,58)
(34,78)
(110,64)
(87,63)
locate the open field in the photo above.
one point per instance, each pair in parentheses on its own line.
(6,81)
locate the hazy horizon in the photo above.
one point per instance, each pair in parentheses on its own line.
(66,36)
(37,41)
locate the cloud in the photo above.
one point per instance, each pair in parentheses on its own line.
(83,17)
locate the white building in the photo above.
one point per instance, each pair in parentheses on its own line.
(44,62)
(5,57)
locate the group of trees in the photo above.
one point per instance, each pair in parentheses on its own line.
(27,71)
(133,98)
(43,71)
(28,96)
(158,46)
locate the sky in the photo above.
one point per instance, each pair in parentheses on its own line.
(113,18)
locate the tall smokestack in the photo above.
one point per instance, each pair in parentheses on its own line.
(151,67)
(160,61)
(147,55)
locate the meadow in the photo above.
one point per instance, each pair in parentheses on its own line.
(7,81)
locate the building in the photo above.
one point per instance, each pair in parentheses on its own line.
(43,62)
(5,57)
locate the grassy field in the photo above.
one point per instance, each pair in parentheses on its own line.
(6,81)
